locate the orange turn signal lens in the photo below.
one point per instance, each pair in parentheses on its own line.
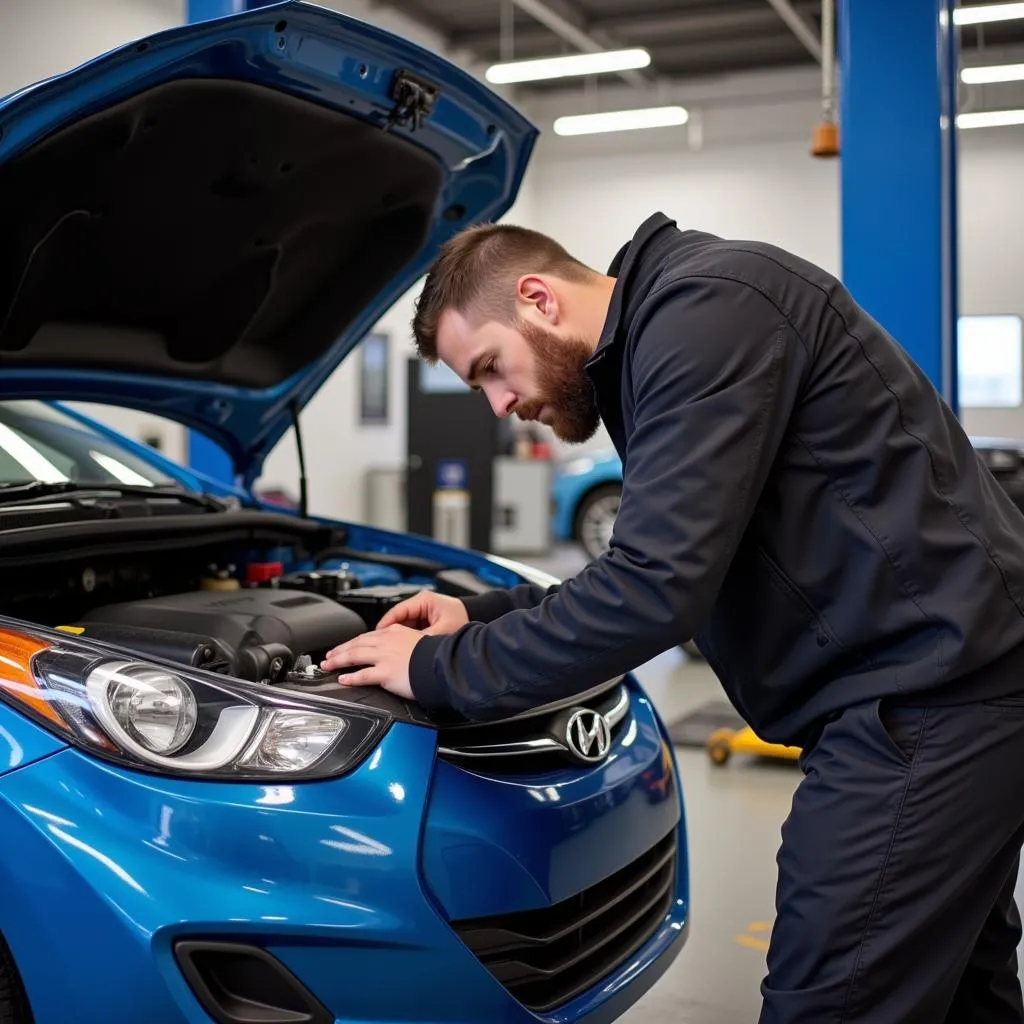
(19,681)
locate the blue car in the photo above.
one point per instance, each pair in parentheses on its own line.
(586,492)
(199,825)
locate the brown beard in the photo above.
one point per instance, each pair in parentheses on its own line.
(563,384)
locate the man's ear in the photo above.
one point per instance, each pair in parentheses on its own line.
(536,299)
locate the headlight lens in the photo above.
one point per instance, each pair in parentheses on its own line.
(180,721)
(149,706)
(293,740)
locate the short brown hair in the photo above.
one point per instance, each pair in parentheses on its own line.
(477,270)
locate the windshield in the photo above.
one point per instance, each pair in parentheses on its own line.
(38,442)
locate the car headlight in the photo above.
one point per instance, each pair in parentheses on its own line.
(177,721)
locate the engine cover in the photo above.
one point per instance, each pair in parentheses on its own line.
(304,622)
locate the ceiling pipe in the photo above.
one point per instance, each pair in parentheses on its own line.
(571,33)
(799,27)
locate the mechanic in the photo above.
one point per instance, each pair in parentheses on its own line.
(798,498)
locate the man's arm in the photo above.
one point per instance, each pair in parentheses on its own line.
(492,605)
(716,371)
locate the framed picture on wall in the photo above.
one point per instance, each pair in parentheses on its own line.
(373,380)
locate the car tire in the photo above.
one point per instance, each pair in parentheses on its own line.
(14,1008)
(595,517)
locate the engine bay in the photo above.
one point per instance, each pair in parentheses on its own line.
(274,631)
(262,605)
(258,597)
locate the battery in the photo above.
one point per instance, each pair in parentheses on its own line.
(373,603)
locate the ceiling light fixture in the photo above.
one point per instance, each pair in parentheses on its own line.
(621,120)
(990,119)
(993,73)
(535,70)
(989,12)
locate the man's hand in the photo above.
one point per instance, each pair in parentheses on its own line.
(384,655)
(434,614)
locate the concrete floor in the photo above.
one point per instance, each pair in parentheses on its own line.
(734,814)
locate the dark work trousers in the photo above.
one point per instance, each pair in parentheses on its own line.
(895,901)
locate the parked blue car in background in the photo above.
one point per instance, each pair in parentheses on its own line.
(199,825)
(586,492)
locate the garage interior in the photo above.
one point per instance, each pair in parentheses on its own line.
(745,96)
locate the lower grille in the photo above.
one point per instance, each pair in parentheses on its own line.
(547,957)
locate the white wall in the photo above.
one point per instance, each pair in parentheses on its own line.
(740,168)
(40,38)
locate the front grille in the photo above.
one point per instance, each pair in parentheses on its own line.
(547,957)
(533,742)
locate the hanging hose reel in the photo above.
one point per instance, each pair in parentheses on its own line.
(825,140)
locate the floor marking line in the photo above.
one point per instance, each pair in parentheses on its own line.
(751,943)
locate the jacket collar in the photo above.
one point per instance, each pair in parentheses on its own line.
(622,268)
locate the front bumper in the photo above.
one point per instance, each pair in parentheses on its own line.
(356,886)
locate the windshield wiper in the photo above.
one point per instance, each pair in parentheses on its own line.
(38,490)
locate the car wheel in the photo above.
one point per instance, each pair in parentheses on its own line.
(596,517)
(14,1008)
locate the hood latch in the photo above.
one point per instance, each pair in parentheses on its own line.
(414,98)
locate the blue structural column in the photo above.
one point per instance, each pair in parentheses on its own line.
(898,73)
(203,454)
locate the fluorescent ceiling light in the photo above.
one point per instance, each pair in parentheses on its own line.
(621,120)
(989,12)
(990,119)
(993,73)
(565,67)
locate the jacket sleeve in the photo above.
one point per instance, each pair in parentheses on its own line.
(716,370)
(493,604)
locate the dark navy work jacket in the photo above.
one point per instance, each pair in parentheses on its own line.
(796,496)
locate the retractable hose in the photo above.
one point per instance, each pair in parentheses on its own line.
(825,141)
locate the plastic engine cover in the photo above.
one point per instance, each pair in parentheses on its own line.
(304,622)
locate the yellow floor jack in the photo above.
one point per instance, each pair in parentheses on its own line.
(723,743)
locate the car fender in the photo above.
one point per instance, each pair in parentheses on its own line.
(22,742)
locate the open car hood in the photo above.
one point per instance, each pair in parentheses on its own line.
(204,223)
